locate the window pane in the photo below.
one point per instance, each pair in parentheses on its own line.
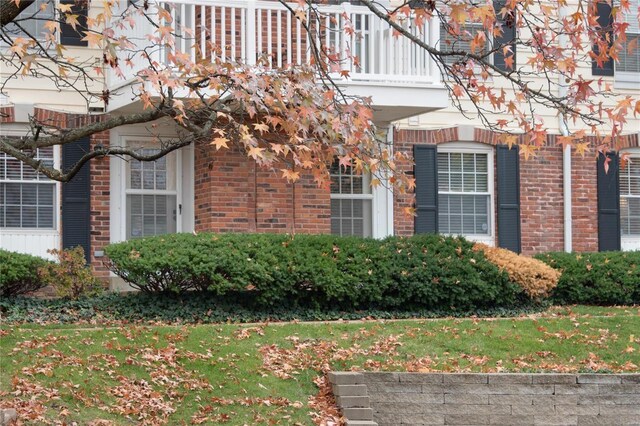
(29,217)
(12,193)
(481,183)
(443,182)
(335,226)
(148,179)
(455,162)
(469,184)
(468,162)
(136,179)
(29,195)
(456,182)
(14,169)
(12,216)
(45,216)
(481,163)
(335,208)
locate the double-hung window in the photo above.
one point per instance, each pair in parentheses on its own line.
(32,20)
(630,202)
(627,69)
(151,195)
(27,198)
(351,202)
(465,193)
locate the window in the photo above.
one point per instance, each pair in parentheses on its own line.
(351,202)
(151,196)
(628,66)
(464,192)
(630,199)
(461,42)
(27,198)
(32,20)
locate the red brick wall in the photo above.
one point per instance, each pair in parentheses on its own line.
(100,202)
(232,194)
(541,201)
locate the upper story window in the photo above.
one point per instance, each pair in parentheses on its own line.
(630,198)
(629,59)
(465,191)
(27,198)
(627,69)
(462,42)
(32,20)
(351,202)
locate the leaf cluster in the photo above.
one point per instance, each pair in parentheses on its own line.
(606,278)
(319,271)
(19,273)
(536,278)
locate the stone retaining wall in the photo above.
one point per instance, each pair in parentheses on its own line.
(383,399)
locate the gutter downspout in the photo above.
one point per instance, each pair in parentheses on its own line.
(566,153)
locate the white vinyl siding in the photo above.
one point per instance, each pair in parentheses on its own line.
(351,202)
(27,198)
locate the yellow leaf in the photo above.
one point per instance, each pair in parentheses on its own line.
(220,143)
(261,127)
(72,20)
(459,13)
(64,7)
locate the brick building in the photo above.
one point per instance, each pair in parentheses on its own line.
(466,182)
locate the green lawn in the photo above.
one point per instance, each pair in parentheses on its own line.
(265,374)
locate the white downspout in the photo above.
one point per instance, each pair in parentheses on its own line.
(566,153)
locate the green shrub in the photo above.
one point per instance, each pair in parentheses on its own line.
(19,273)
(319,271)
(606,278)
(70,275)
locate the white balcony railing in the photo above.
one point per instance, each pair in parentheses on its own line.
(244,30)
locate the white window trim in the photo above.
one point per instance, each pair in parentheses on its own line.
(55,231)
(366,183)
(477,148)
(149,143)
(630,242)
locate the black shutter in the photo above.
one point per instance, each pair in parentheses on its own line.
(426,175)
(508,36)
(69,36)
(605,20)
(508,165)
(608,203)
(76,199)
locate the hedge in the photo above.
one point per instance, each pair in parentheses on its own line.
(319,271)
(605,278)
(19,273)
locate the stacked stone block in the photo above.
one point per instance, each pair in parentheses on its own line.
(385,399)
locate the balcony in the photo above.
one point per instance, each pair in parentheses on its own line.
(401,79)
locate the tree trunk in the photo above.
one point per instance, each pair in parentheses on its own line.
(9,10)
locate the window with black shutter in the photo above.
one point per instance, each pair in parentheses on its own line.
(68,35)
